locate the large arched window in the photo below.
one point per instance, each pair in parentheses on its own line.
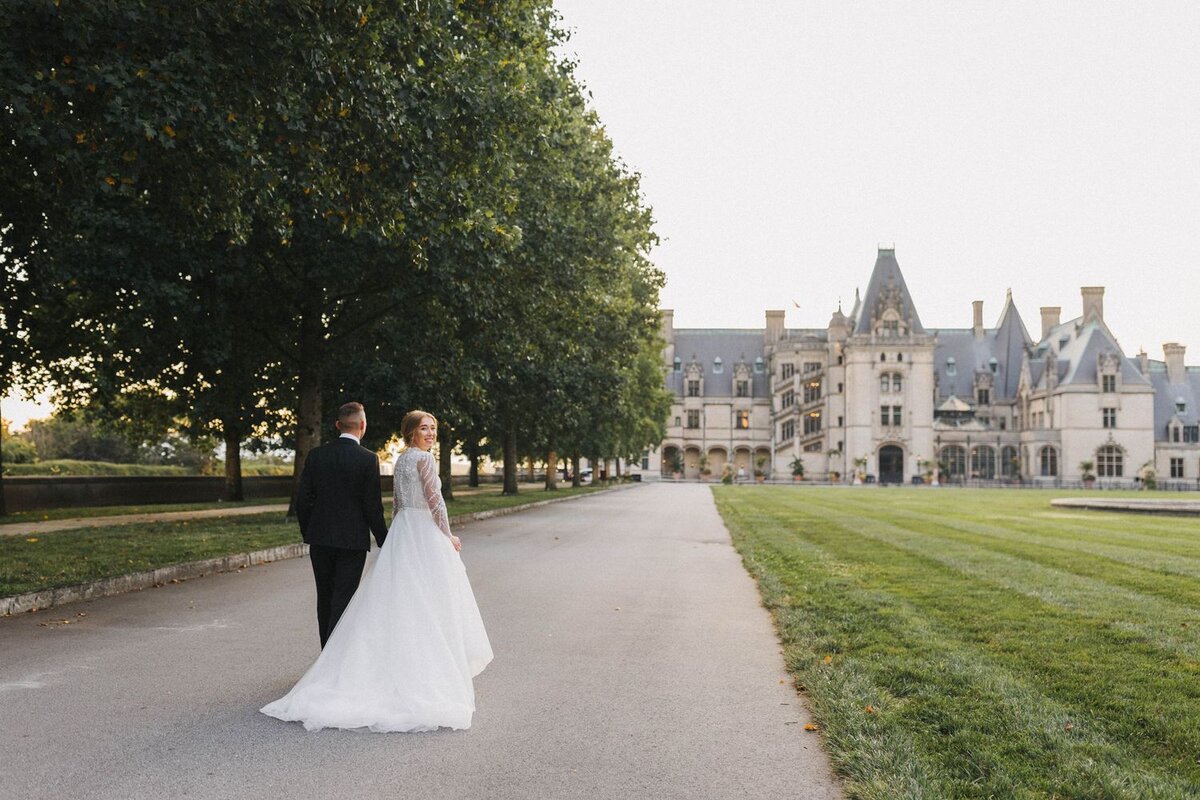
(954,461)
(983,462)
(885,383)
(1049,461)
(897,382)
(1010,467)
(1110,462)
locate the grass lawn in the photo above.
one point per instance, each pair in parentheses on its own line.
(980,644)
(45,561)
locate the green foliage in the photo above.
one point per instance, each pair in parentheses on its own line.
(797,466)
(71,467)
(977,643)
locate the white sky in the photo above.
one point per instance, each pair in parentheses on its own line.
(1040,146)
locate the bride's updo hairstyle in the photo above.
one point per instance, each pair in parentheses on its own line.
(412,421)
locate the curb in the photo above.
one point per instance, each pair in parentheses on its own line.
(136,581)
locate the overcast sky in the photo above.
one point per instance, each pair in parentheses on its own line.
(1037,146)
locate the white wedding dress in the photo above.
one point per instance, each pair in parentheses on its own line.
(405,650)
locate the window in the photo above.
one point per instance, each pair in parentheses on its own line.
(883,415)
(743,420)
(718,366)
(885,383)
(693,418)
(787,370)
(983,463)
(1176,467)
(954,461)
(693,388)
(1191,433)
(678,364)
(891,327)
(993,365)
(789,399)
(1049,462)
(899,356)
(951,366)
(890,415)
(812,391)
(840,359)
(1174,430)
(812,422)
(839,388)
(839,422)
(677,423)
(896,416)
(897,382)
(1110,463)
(1009,463)
(883,356)
(984,397)
(743,388)
(788,429)
(1108,383)
(812,366)
(1180,405)
(759,366)
(1110,417)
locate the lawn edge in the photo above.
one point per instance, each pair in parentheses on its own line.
(148,579)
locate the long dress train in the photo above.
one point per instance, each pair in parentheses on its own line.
(405,650)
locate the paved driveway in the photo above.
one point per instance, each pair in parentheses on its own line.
(633,660)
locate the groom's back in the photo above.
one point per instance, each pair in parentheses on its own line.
(340,499)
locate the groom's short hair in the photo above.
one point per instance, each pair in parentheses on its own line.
(351,414)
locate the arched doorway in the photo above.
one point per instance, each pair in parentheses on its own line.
(672,460)
(891,464)
(717,457)
(691,462)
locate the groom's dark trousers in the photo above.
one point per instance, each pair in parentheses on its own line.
(339,505)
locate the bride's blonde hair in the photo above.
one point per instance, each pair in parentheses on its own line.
(412,421)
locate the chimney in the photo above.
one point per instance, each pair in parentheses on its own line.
(1143,362)
(1050,318)
(1093,302)
(668,325)
(977,318)
(774,331)
(1173,354)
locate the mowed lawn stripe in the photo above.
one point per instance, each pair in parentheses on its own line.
(946,690)
(1047,575)
(1000,693)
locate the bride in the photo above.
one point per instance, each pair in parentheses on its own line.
(404,652)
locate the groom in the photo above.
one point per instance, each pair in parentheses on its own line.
(339,505)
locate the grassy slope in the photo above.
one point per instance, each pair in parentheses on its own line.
(1005,649)
(44,561)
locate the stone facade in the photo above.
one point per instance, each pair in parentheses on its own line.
(876,395)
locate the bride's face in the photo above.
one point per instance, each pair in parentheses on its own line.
(426,434)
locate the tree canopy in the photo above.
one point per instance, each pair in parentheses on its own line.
(240,215)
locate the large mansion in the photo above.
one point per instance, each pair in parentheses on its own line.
(876,394)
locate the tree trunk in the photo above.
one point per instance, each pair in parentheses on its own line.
(473,475)
(531,471)
(576,481)
(618,467)
(445,450)
(233,464)
(308,409)
(510,463)
(551,471)
(3,504)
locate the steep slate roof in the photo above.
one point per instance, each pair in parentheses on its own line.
(1078,349)
(1167,393)
(886,273)
(731,345)
(1010,343)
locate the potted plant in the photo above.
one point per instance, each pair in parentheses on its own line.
(705,470)
(926,468)
(835,476)
(727,474)
(797,465)
(1086,474)
(676,465)
(860,469)
(760,469)
(1149,476)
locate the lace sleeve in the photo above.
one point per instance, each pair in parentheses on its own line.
(433,495)
(396,487)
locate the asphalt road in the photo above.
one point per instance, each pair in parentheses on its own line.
(633,660)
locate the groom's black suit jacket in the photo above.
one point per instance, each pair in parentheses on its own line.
(340,501)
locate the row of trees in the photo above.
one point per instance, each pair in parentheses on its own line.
(240,215)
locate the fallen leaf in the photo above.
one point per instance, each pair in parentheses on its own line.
(870,709)
(31,539)
(809,726)
(828,659)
